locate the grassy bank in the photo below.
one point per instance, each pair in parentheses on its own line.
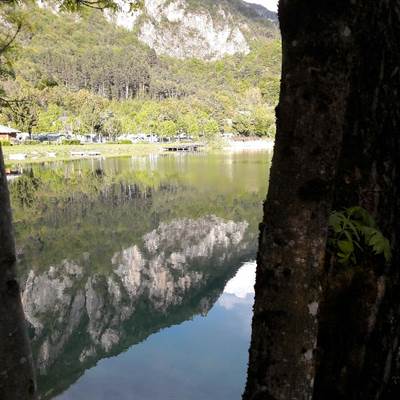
(45,152)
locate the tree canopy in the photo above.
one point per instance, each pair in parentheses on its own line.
(67,69)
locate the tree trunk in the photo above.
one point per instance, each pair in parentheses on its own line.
(359,320)
(337,145)
(310,122)
(16,366)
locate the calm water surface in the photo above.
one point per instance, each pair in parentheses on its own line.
(138,274)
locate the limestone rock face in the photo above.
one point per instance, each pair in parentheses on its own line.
(204,29)
(197,29)
(175,31)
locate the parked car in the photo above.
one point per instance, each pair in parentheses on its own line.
(22,137)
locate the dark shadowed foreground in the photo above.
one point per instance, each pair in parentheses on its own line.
(16,371)
(323,330)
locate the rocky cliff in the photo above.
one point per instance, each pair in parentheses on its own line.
(205,29)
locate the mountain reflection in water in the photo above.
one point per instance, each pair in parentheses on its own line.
(204,358)
(126,253)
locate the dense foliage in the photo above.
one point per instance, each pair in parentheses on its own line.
(83,74)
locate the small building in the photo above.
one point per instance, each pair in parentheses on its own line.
(7,134)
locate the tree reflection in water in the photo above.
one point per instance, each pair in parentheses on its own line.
(109,258)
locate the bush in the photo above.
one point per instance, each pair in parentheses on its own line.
(71,142)
(125,141)
(31,142)
(5,143)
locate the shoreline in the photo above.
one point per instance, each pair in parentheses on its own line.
(253,145)
(41,153)
(32,154)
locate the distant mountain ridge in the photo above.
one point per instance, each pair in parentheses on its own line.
(206,29)
(261,11)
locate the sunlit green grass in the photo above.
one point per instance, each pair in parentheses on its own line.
(40,152)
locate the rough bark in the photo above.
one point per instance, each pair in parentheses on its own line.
(16,367)
(310,121)
(359,319)
(339,113)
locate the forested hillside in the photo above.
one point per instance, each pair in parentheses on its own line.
(84,73)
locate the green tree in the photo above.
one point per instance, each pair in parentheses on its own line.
(167,128)
(147,118)
(91,115)
(189,124)
(264,121)
(23,111)
(50,119)
(112,127)
(244,124)
(209,127)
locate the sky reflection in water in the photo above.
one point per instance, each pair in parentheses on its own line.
(118,260)
(204,358)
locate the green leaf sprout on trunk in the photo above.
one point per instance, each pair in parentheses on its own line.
(354,236)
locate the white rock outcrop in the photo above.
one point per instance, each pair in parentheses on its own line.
(172,28)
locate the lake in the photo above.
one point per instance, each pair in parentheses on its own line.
(137,273)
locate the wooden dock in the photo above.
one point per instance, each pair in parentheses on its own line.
(188,147)
(85,153)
